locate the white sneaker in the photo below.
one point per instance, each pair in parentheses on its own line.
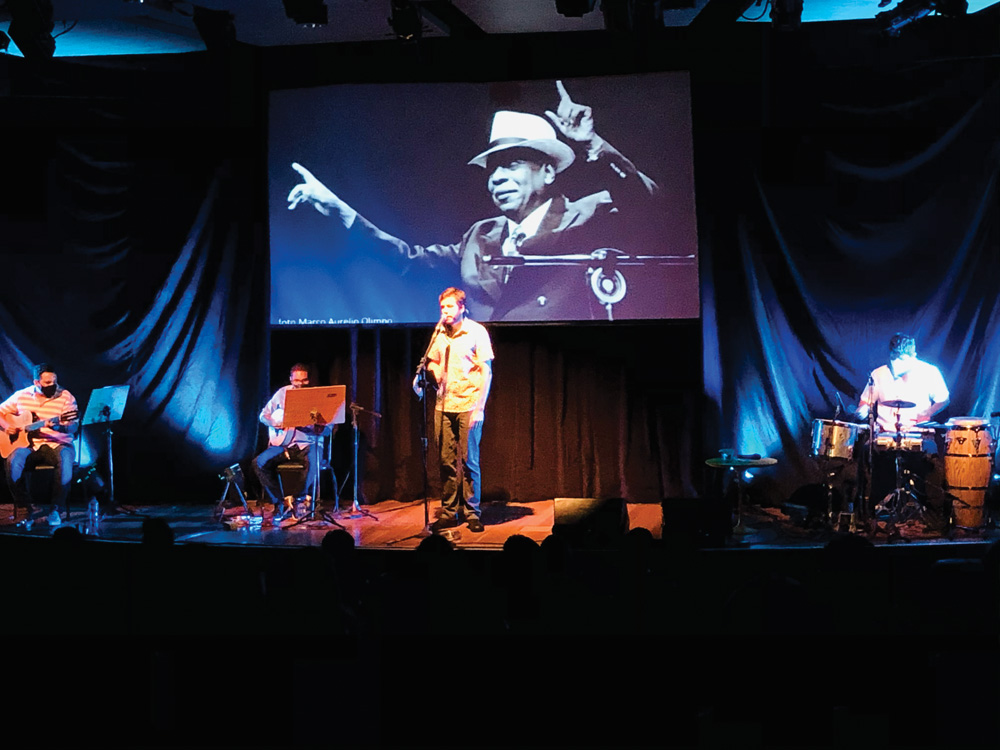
(54,519)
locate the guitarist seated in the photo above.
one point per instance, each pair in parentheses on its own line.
(38,424)
(291,444)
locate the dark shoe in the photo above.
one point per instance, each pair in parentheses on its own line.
(444,523)
(476,526)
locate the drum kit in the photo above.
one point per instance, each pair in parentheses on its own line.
(969,445)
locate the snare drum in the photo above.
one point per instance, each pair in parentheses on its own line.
(910,441)
(833,439)
(968,458)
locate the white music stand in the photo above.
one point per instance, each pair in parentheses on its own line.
(107,405)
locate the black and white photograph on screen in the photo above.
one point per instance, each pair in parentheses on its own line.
(547,201)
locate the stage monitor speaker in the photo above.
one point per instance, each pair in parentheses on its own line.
(590,521)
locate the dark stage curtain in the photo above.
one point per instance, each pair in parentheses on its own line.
(573,412)
(867,204)
(130,256)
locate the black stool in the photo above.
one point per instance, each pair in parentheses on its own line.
(38,479)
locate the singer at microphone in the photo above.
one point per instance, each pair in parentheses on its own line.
(461,362)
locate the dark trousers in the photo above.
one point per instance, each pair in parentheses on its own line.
(459,457)
(266,467)
(24,459)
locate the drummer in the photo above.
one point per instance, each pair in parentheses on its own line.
(905,378)
(912,391)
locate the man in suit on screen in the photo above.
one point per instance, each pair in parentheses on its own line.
(523,162)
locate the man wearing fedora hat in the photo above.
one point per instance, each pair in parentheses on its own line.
(523,160)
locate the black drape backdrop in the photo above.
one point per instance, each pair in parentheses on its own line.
(866,204)
(846,189)
(131,254)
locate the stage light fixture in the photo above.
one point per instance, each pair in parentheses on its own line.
(31,28)
(405,19)
(574,8)
(311,13)
(893,21)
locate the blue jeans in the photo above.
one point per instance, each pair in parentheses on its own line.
(61,457)
(266,467)
(459,445)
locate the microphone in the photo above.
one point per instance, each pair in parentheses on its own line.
(840,406)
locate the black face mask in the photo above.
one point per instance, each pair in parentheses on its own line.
(48,390)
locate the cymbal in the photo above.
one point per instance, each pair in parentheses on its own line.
(898,404)
(733,463)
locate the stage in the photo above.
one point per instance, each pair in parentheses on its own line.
(392,525)
(385,525)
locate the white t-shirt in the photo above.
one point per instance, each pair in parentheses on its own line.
(922,384)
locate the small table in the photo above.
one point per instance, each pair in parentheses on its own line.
(732,463)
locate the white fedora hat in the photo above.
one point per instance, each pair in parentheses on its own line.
(521,130)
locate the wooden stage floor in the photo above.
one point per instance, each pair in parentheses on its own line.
(385,525)
(392,525)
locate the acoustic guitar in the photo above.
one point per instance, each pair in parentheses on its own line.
(23,438)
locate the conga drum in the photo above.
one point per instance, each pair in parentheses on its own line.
(968,458)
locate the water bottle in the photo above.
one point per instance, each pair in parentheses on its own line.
(93,517)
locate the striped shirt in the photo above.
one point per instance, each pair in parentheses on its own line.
(29,405)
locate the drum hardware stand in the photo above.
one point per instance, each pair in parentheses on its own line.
(893,505)
(867,513)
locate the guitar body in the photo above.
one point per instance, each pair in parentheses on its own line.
(279,437)
(23,439)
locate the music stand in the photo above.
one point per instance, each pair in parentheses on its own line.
(106,405)
(308,409)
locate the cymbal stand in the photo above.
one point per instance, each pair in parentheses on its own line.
(844,520)
(739,528)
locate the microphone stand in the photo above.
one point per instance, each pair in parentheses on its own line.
(421,381)
(868,512)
